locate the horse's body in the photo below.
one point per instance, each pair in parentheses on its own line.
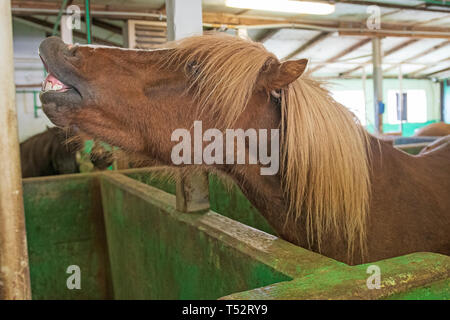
(339,191)
(437,129)
(47,154)
(50,153)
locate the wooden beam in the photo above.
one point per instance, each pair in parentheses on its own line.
(215,19)
(420,54)
(386,53)
(321,36)
(394,33)
(49,26)
(343,53)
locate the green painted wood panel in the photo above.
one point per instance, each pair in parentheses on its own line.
(64,222)
(159,253)
(228,201)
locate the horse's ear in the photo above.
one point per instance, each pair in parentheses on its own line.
(289,71)
(282,74)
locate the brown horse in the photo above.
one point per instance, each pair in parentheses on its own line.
(437,129)
(47,154)
(339,191)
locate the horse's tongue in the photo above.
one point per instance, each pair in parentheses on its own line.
(52,79)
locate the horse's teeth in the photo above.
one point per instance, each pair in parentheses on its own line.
(48,86)
(57,87)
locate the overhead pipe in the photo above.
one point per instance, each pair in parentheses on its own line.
(87,9)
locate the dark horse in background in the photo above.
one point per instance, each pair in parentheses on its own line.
(47,154)
(50,153)
(339,190)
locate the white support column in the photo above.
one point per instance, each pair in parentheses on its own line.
(66,29)
(377,83)
(184,19)
(364,89)
(14,272)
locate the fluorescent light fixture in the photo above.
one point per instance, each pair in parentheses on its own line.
(305,7)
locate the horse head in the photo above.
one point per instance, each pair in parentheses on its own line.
(135,99)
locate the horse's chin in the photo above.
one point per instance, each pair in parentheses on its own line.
(60,106)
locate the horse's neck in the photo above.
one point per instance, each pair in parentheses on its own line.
(263,191)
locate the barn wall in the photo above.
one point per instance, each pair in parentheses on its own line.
(28,69)
(431,88)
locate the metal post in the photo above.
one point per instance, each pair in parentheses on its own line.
(364,89)
(377,84)
(14,273)
(400,93)
(184,19)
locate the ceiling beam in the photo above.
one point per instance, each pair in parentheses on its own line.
(214,19)
(386,53)
(420,54)
(343,53)
(47,26)
(380,33)
(307,45)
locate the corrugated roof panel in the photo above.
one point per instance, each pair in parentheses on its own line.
(330,47)
(412,16)
(286,41)
(436,55)
(414,49)
(441,66)
(406,68)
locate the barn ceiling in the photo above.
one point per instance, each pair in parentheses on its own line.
(415,34)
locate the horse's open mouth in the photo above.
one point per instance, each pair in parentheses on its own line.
(51,83)
(59,96)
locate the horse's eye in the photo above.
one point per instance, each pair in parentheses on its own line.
(192,68)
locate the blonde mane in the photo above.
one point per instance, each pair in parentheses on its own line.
(325,170)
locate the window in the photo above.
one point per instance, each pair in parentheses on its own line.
(353,100)
(415,106)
